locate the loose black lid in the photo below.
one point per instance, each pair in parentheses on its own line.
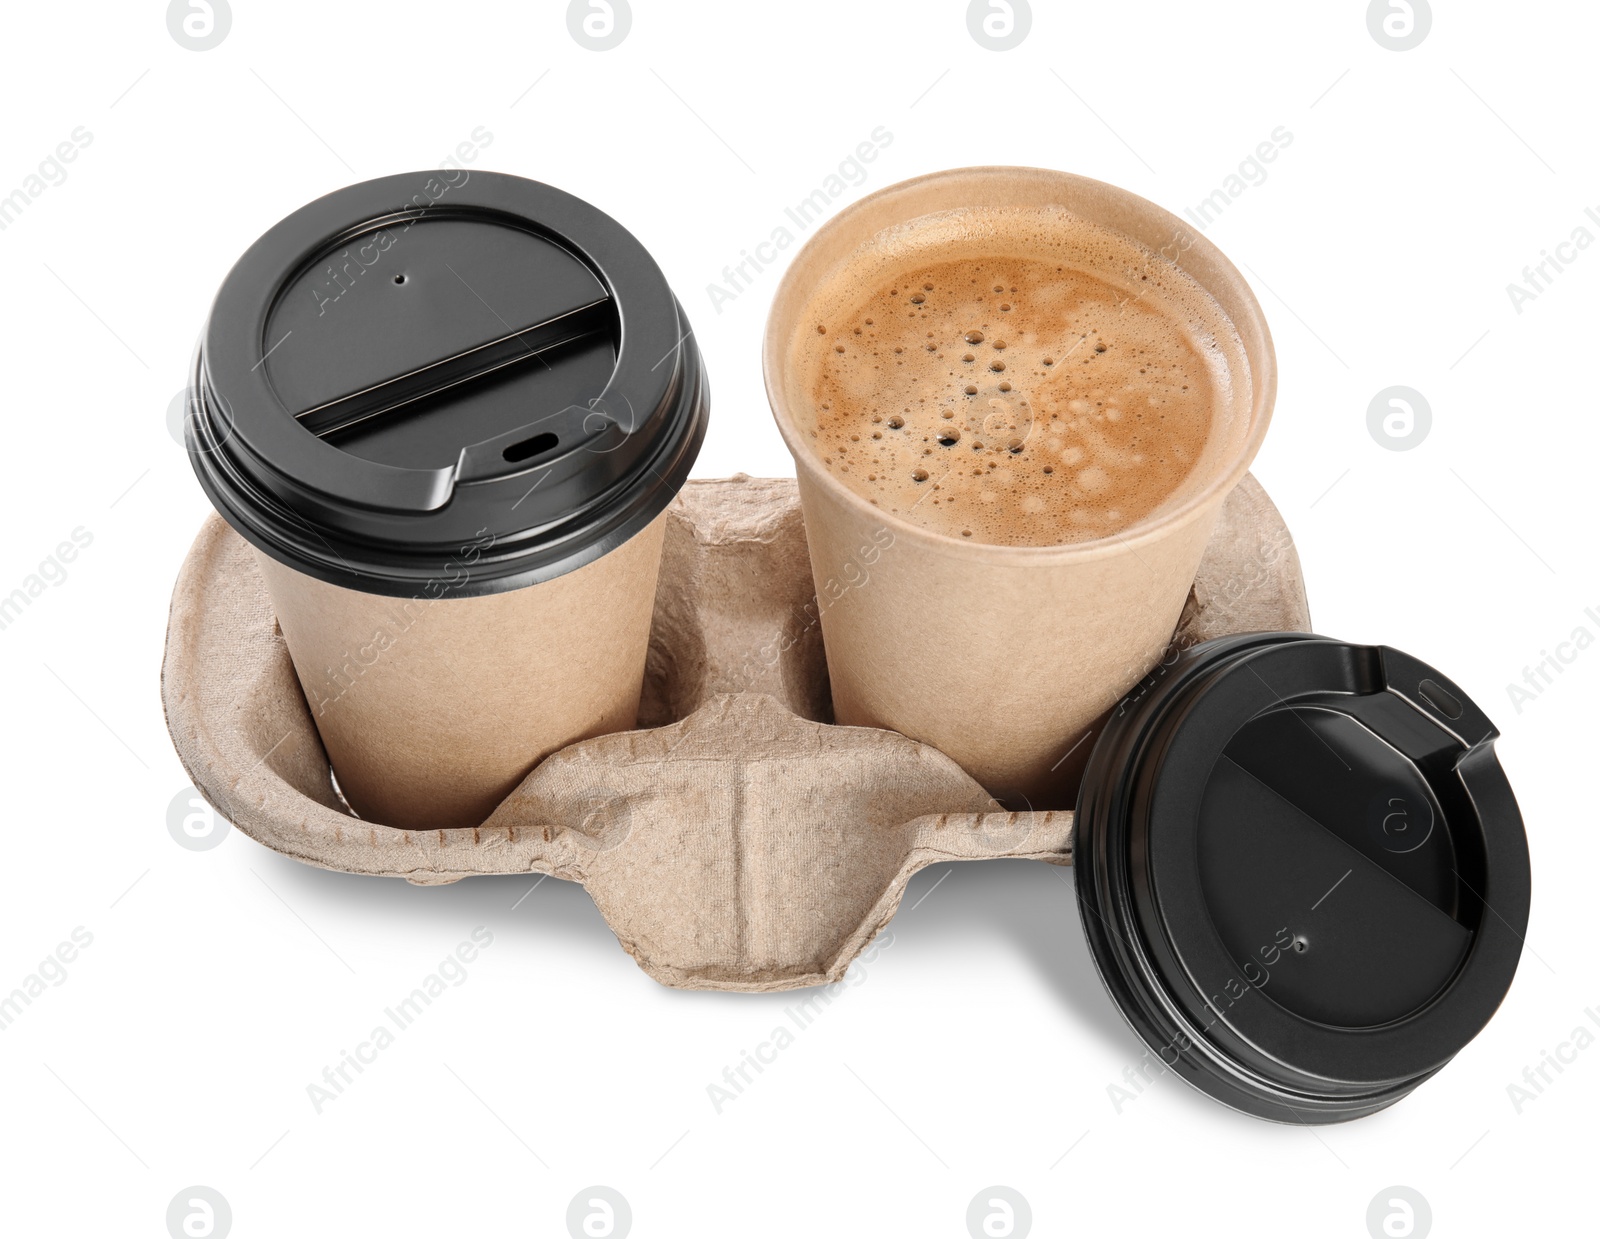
(443,380)
(1301,872)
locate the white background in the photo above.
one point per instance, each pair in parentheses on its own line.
(977,1049)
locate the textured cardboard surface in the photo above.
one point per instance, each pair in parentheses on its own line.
(738,841)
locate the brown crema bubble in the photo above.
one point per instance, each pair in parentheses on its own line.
(1116,368)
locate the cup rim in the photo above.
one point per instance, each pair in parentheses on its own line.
(1264,385)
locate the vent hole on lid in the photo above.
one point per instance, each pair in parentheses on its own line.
(530,448)
(400,279)
(1440,698)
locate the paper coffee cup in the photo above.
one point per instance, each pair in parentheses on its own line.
(1002,656)
(416,399)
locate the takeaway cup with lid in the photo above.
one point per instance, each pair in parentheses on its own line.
(448,411)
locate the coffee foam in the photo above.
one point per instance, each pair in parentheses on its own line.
(1015,376)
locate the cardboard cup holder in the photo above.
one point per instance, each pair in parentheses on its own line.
(737,840)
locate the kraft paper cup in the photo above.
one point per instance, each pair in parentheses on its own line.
(432,710)
(415,399)
(1003,657)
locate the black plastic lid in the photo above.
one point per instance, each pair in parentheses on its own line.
(443,380)
(1301,872)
